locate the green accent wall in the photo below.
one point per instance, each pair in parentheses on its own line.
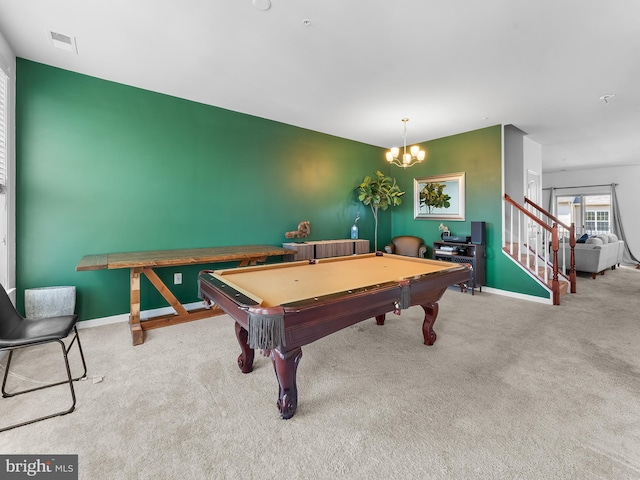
(479,155)
(103,167)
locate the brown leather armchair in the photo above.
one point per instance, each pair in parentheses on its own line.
(407,245)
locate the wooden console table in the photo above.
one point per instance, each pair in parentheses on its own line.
(145,262)
(327,248)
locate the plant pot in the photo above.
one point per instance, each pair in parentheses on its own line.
(49,301)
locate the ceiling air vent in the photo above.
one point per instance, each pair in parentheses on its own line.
(63,42)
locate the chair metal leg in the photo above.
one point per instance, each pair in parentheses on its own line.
(84,364)
(6,373)
(66,351)
(70,380)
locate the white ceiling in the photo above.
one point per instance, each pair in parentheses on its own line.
(360,66)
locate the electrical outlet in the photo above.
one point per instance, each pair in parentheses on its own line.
(177,278)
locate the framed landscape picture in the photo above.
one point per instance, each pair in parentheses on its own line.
(440,197)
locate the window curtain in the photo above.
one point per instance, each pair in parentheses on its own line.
(627,256)
(552,199)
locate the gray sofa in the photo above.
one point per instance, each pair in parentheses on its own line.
(596,255)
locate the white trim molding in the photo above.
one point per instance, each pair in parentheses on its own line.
(124,317)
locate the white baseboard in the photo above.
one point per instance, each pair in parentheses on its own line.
(520,296)
(97,322)
(124,317)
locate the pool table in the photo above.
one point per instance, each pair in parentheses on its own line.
(281,307)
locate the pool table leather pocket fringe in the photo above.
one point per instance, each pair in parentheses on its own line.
(405,296)
(266,331)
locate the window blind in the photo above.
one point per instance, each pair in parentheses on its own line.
(4,129)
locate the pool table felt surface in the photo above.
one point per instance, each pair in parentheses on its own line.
(280,284)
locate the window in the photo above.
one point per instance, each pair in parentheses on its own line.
(591,214)
(596,221)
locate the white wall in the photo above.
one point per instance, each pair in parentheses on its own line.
(514,163)
(7,57)
(522,173)
(532,169)
(522,162)
(628,180)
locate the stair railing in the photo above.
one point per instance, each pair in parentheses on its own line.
(565,232)
(542,231)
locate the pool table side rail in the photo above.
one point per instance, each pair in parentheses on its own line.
(313,320)
(265,325)
(321,316)
(406,282)
(339,313)
(289,264)
(248,299)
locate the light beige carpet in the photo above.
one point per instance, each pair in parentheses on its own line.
(511,389)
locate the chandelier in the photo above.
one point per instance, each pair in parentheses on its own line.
(408,159)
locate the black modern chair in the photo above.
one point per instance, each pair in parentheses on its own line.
(17,332)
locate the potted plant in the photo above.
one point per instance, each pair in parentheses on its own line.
(379,192)
(432,196)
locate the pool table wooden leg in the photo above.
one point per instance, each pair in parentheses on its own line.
(286,364)
(245,360)
(430,315)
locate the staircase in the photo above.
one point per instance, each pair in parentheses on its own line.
(532,239)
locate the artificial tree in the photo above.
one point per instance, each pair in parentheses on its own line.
(379,192)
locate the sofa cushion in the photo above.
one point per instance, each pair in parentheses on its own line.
(603,237)
(594,241)
(613,238)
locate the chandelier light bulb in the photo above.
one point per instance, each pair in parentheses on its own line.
(407,160)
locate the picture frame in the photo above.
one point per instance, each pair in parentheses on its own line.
(451,186)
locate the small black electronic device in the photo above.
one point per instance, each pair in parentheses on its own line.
(478,233)
(456,239)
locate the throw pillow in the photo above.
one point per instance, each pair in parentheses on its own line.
(583,238)
(613,238)
(593,241)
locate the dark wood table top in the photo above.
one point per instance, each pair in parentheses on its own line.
(187,256)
